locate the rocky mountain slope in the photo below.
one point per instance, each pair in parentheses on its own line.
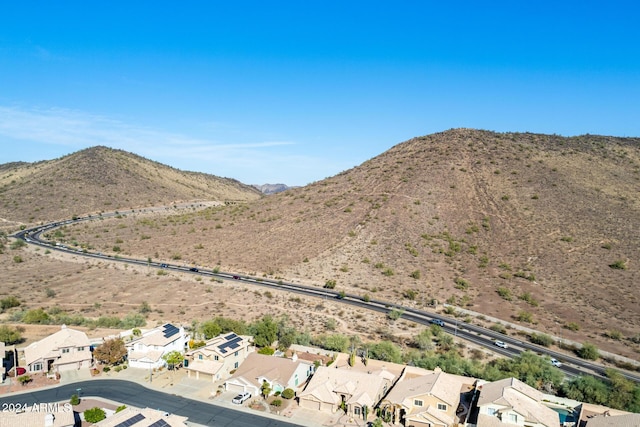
(538,229)
(103,179)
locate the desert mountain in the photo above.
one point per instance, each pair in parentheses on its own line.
(535,229)
(103,179)
(540,229)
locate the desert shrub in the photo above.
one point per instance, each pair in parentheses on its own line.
(525,316)
(618,265)
(121,408)
(614,334)
(541,339)
(330,284)
(24,379)
(17,259)
(18,244)
(36,316)
(276,402)
(394,314)
(461,283)
(410,294)
(388,272)
(267,350)
(504,293)
(288,393)
(415,274)
(9,302)
(94,415)
(498,327)
(9,335)
(572,326)
(526,297)
(588,352)
(75,399)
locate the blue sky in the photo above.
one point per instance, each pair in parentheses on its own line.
(294,92)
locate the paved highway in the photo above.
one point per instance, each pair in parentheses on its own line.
(133,394)
(571,366)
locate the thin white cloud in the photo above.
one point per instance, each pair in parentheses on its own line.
(249,162)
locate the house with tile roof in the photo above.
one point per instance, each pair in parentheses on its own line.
(218,357)
(146,351)
(429,400)
(67,349)
(42,415)
(510,402)
(279,372)
(608,420)
(355,392)
(147,417)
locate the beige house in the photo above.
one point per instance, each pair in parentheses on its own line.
(512,402)
(606,420)
(146,352)
(65,350)
(331,390)
(147,417)
(43,415)
(279,372)
(218,357)
(429,400)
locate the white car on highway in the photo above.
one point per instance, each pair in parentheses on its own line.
(501,344)
(556,362)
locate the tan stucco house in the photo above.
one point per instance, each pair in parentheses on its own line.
(218,357)
(65,350)
(279,372)
(331,390)
(514,403)
(430,400)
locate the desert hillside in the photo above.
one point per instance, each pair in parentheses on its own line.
(534,229)
(102,179)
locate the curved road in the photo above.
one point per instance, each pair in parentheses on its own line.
(133,394)
(572,366)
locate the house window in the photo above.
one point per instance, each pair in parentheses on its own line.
(356,410)
(235,365)
(513,418)
(236,354)
(80,348)
(442,406)
(200,357)
(417,402)
(491,411)
(65,350)
(36,367)
(215,357)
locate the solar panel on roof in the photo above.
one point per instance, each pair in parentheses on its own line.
(230,336)
(160,423)
(131,421)
(170,330)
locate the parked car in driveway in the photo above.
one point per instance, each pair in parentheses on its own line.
(241,398)
(501,344)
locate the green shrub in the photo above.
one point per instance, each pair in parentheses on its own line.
(121,408)
(541,339)
(572,326)
(588,352)
(461,283)
(504,293)
(94,415)
(75,399)
(276,402)
(267,350)
(330,284)
(288,393)
(415,274)
(618,265)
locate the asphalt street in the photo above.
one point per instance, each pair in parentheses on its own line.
(133,394)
